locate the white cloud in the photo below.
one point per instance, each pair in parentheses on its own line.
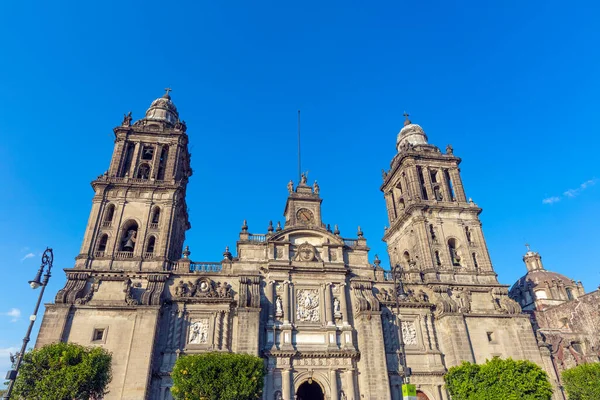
(26,256)
(571,193)
(551,200)
(14,313)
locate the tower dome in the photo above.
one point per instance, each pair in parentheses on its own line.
(410,134)
(163,109)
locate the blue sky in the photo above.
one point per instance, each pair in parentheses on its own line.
(512,86)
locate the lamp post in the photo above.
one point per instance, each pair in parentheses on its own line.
(403,370)
(47,259)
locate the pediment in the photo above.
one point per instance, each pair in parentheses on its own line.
(299,235)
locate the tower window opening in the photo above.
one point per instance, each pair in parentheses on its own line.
(110,213)
(147,152)
(432,232)
(454,256)
(162,163)
(102,243)
(449,182)
(406,256)
(422,181)
(401,204)
(129,236)
(127,160)
(155,216)
(577,347)
(475,261)
(433,175)
(151,243)
(143,171)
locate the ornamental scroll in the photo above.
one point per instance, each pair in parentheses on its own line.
(307,301)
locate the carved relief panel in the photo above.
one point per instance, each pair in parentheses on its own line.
(308,305)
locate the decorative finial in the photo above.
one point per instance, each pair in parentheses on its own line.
(449,150)
(336,230)
(359,233)
(270,228)
(406,121)
(227,254)
(377,261)
(186,252)
(245,227)
(278,229)
(527,245)
(126,119)
(328,228)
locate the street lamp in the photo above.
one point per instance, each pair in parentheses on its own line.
(47,259)
(403,371)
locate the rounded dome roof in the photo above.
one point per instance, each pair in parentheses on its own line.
(411,133)
(163,109)
(539,277)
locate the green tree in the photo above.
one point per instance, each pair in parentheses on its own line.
(498,379)
(582,382)
(63,371)
(218,376)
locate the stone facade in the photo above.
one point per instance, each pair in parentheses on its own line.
(565,319)
(301,296)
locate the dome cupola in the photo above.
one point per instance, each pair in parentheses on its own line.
(163,109)
(411,134)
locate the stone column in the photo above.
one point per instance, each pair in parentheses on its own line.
(286,302)
(427,183)
(335,395)
(328,302)
(344,305)
(134,161)
(287,384)
(217,331)
(271,299)
(268,393)
(349,385)
(225,330)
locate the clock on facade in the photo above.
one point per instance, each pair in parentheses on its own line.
(305,216)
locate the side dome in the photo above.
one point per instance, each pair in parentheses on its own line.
(163,109)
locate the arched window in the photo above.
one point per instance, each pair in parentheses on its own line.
(569,293)
(102,244)
(155,215)
(150,245)
(437,259)
(128,236)
(468,234)
(143,171)
(127,160)
(110,213)
(454,256)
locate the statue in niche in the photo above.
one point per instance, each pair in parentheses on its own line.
(278,395)
(129,240)
(336,308)
(199,332)
(342,395)
(438,193)
(278,307)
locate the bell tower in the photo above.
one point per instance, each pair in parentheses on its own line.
(434,232)
(139,214)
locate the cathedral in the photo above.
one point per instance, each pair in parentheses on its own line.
(328,323)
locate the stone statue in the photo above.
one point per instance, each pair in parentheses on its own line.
(278,395)
(224,290)
(126,119)
(181,289)
(290,186)
(449,149)
(336,307)
(316,187)
(303,178)
(278,307)
(342,395)
(199,332)
(129,240)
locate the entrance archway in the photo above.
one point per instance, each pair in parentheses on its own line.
(421,396)
(310,390)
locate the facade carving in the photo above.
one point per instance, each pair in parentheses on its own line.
(302,296)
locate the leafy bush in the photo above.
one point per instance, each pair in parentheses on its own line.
(64,371)
(498,379)
(582,382)
(218,376)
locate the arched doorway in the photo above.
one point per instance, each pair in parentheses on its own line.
(421,396)
(310,390)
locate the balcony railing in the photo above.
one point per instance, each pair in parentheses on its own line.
(154,225)
(257,238)
(124,254)
(205,267)
(106,224)
(388,276)
(148,255)
(99,254)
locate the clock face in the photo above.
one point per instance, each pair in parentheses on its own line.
(305,216)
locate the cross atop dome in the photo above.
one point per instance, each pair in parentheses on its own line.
(167,95)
